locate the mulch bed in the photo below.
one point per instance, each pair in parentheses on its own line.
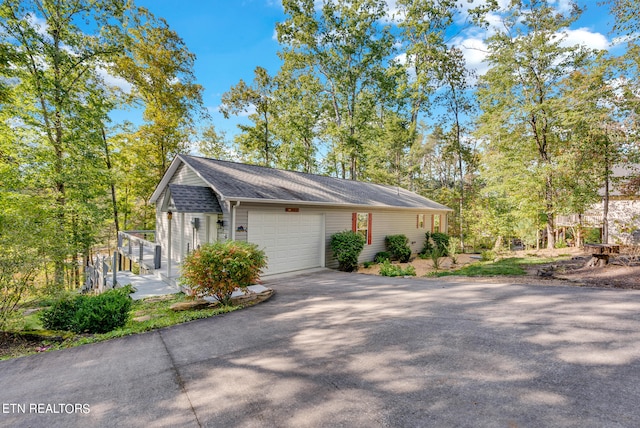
(14,344)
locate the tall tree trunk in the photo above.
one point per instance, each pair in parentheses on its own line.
(605,207)
(111,182)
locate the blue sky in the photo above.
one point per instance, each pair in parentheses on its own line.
(231,37)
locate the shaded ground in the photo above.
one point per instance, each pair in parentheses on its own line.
(12,344)
(622,272)
(425,266)
(333,349)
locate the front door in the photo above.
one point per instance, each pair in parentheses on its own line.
(212,228)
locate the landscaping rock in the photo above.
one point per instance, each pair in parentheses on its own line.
(192,305)
(142,318)
(546,272)
(156,299)
(251,297)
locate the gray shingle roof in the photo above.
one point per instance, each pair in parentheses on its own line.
(241,181)
(194,199)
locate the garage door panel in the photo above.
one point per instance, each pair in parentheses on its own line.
(291,241)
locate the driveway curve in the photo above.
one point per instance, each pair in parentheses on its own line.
(334,349)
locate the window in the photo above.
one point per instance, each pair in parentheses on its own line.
(420,223)
(361,223)
(436,223)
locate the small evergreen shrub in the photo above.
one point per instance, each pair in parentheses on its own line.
(346,247)
(218,269)
(436,240)
(381,257)
(60,315)
(398,247)
(91,314)
(387,269)
(104,312)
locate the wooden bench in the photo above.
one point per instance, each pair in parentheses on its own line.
(600,253)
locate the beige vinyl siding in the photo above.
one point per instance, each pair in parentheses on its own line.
(183,237)
(384,222)
(185,175)
(242,219)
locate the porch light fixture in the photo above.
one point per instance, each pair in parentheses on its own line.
(169,215)
(220,223)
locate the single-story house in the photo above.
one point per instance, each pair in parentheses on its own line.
(291,215)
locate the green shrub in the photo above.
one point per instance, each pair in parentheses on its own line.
(381,257)
(398,247)
(561,243)
(218,269)
(452,249)
(436,255)
(61,314)
(592,236)
(346,247)
(93,314)
(488,255)
(387,269)
(436,240)
(103,312)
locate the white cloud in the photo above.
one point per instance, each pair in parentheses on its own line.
(114,81)
(38,24)
(584,36)
(475,52)
(562,6)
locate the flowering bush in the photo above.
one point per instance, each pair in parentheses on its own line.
(218,269)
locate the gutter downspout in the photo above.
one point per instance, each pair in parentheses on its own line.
(233,220)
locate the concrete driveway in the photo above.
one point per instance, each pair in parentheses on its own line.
(334,349)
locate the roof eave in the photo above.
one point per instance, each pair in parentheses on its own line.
(165,179)
(338,204)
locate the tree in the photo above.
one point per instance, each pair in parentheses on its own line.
(455,97)
(57,95)
(626,17)
(213,144)
(520,96)
(595,110)
(159,67)
(299,105)
(241,98)
(423,24)
(344,45)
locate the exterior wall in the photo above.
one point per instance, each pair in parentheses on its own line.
(384,222)
(183,236)
(624,222)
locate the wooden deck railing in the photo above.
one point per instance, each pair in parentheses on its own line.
(146,249)
(96,273)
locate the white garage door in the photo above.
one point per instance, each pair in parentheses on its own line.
(291,241)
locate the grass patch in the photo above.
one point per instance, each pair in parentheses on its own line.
(508,266)
(152,313)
